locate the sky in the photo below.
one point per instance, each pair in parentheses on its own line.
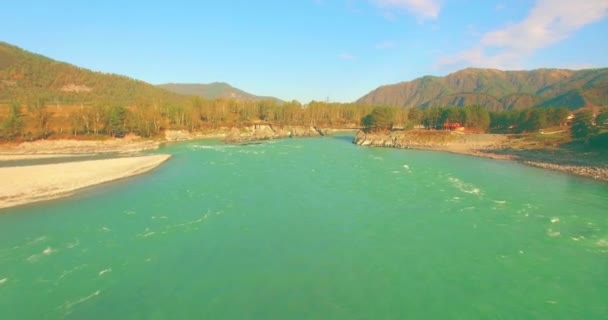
(336,50)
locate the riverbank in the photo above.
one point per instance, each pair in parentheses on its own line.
(28,184)
(62,148)
(42,149)
(587,164)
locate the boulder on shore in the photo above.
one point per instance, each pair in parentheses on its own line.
(267,132)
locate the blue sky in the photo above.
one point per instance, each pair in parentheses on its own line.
(309,49)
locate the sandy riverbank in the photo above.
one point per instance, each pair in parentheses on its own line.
(42,149)
(27,184)
(585,164)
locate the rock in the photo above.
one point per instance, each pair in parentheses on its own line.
(476,145)
(266,131)
(178,135)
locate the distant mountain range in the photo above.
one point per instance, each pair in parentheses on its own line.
(498,90)
(213,90)
(25,75)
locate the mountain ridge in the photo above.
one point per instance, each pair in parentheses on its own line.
(213,90)
(498,89)
(26,75)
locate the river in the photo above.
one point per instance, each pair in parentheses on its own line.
(314,228)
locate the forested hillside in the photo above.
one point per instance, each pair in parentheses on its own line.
(498,90)
(25,76)
(41,97)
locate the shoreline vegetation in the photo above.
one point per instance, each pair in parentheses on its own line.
(50,111)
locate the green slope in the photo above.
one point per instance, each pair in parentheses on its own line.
(496,89)
(25,75)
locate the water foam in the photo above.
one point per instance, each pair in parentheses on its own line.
(48,251)
(104,271)
(467,209)
(36,257)
(147,233)
(70,304)
(72,245)
(221,148)
(65,273)
(251,152)
(465,187)
(192,223)
(37,240)
(33,258)
(552,233)
(3,281)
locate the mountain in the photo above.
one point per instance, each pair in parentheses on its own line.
(498,90)
(213,90)
(25,75)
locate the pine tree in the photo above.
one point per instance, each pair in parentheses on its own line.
(583,126)
(116,121)
(12,127)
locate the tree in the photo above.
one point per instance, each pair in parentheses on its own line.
(583,127)
(557,116)
(537,120)
(96,119)
(414,115)
(116,121)
(39,110)
(12,127)
(477,116)
(267,110)
(454,114)
(401,117)
(76,123)
(430,117)
(381,118)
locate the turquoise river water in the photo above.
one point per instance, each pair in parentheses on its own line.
(313,229)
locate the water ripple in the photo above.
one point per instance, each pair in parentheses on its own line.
(66,273)
(70,304)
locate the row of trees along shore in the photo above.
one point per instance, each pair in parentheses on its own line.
(37,119)
(585,123)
